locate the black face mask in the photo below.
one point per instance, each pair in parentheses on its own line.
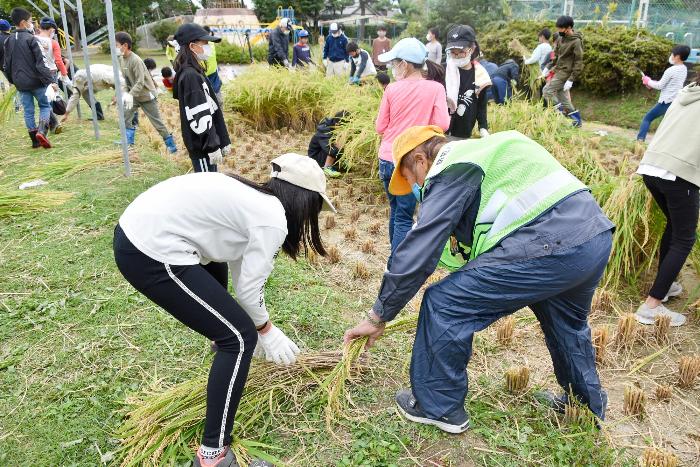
(562,34)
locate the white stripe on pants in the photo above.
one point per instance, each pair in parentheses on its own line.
(228,325)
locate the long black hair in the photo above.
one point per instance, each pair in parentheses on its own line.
(186,58)
(301,208)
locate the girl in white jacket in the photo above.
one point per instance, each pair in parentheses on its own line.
(175,243)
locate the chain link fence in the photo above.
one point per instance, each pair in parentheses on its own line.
(679,20)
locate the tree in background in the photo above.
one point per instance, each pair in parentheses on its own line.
(476,13)
(163,29)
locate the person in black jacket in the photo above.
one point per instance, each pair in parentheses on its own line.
(24,67)
(278,49)
(321,149)
(502,80)
(203,128)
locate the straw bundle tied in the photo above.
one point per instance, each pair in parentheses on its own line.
(163,427)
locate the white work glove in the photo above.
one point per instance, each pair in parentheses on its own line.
(568,85)
(545,72)
(483,132)
(66,81)
(216,157)
(325,62)
(226,150)
(277,347)
(128,101)
(286,63)
(151,95)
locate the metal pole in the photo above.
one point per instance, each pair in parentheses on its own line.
(117,86)
(69,49)
(86,56)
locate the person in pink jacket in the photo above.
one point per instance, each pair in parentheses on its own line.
(409,101)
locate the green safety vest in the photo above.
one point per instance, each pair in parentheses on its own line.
(520,182)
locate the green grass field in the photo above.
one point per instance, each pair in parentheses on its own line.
(77,340)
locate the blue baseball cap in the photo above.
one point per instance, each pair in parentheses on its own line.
(4,25)
(303,33)
(47,23)
(409,49)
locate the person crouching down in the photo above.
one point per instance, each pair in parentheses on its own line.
(173,243)
(202,121)
(530,234)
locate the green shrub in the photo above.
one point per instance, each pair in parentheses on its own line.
(613,56)
(234,54)
(163,29)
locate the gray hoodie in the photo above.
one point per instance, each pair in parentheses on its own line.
(676,144)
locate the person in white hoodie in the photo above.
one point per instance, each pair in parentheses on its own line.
(671,171)
(175,244)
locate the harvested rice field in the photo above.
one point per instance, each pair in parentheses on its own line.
(95,374)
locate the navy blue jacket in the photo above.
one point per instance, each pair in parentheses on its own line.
(334,49)
(24,63)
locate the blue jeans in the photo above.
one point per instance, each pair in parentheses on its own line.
(501,89)
(401,209)
(27,100)
(557,287)
(657,111)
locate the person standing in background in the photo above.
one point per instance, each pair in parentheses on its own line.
(671,171)
(670,84)
(141,92)
(25,68)
(278,48)
(4,35)
(211,68)
(541,53)
(171,49)
(47,33)
(466,82)
(411,100)
(201,119)
(335,56)
(567,65)
(301,53)
(380,45)
(361,66)
(434,46)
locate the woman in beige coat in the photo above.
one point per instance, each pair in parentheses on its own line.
(671,171)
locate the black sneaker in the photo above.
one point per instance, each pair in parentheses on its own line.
(456,422)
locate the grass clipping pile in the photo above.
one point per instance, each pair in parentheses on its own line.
(164,427)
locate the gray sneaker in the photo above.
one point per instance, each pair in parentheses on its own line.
(675,290)
(456,422)
(646,315)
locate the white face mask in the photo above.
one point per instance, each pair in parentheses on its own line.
(206,53)
(428,37)
(53,34)
(30,28)
(670,60)
(398,75)
(120,52)
(460,62)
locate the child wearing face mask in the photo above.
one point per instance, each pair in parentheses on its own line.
(466,82)
(141,92)
(670,84)
(335,55)
(51,51)
(203,128)
(24,67)
(434,46)
(411,100)
(380,44)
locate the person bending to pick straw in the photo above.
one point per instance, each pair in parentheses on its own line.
(528,233)
(173,243)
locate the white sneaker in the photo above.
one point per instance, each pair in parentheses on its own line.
(646,315)
(675,290)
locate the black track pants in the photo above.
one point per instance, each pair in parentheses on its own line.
(679,202)
(197,297)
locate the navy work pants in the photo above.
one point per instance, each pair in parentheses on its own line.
(557,287)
